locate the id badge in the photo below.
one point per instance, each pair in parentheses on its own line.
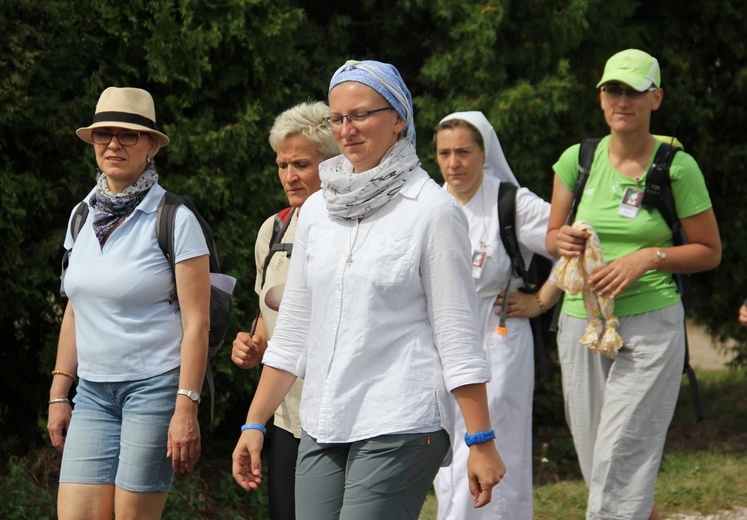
(478,262)
(631,203)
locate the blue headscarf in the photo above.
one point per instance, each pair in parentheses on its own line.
(384,79)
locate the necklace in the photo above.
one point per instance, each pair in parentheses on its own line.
(352,238)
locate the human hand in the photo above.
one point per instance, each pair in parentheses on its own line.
(58,422)
(248,350)
(520,305)
(247,465)
(743,315)
(617,276)
(184,436)
(570,241)
(485,470)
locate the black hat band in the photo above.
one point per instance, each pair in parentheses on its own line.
(125,117)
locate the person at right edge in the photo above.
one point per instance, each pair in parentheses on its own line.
(619,410)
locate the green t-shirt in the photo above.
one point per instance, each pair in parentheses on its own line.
(620,235)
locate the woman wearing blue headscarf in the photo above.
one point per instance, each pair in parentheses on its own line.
(378,318)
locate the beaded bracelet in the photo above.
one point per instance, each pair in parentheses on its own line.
(539,301)
(254,426)
(61,400)
(63,373)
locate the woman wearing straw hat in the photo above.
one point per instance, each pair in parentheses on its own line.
(619,409)
(378,318)
(473,167)
(139,363)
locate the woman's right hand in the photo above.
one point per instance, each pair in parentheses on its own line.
(571,241)
(248,350)
(247,465)
(58,423)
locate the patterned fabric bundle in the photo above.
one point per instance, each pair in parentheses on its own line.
(572,274)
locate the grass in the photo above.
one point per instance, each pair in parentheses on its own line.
(702,471)
(704,464)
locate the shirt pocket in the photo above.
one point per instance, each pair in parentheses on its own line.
(391,263)
(319,248)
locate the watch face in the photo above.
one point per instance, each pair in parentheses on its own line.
(194,396)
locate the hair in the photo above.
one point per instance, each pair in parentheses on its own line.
(450,124)
(307,120)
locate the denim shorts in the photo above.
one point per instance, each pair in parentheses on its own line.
(118,434)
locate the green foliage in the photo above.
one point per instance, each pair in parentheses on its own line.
(22,494)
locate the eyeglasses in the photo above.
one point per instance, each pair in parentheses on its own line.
(334,122)
(615,91)
(125,138)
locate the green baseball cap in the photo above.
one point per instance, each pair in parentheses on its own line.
(635,68)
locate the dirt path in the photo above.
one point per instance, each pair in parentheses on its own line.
(738,513)
(703,353)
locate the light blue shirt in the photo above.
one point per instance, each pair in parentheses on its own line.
(379,316)
(125,327)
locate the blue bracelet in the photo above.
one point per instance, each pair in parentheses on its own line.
(479,437)
(254,426)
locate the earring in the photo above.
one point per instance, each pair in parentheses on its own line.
(148,158)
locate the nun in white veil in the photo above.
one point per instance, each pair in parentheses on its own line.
(473,166)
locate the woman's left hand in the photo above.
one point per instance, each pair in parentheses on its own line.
(184,436)
(617,276)
(520,305)
(485,470)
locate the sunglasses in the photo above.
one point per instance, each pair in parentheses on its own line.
(615,92)
(124,138)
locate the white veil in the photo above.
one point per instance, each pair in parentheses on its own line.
(495,162)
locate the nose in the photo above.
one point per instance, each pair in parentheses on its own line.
(114,140)
(347,127)
(453,161)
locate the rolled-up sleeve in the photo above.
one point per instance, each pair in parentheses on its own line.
(452,300)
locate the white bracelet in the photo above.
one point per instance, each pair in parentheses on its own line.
(61,400)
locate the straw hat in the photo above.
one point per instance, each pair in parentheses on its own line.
(130,108)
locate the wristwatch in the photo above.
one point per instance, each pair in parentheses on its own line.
(192,394)
(662,257)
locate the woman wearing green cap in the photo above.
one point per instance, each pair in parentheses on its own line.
(619,407)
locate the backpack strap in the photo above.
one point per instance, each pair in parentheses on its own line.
(507,228)
(279,227)
(165,223)
(585,160)
(658,194)
(76,223)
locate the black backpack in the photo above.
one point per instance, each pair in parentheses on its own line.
(533,276)
(657,194)
(220,298)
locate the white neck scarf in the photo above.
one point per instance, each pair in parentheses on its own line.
(355,195)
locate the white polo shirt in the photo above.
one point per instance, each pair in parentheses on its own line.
(382,340)
(125,328)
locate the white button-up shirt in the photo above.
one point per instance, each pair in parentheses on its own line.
(379,316)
